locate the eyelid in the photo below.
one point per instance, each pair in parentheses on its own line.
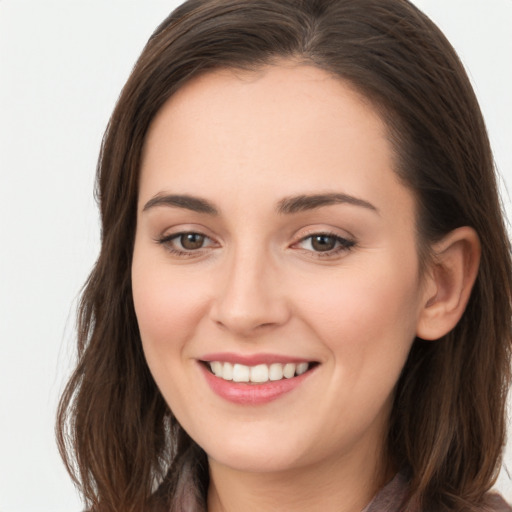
(174,236)
(171,231)
(344,242)
(311,230)
(166,240)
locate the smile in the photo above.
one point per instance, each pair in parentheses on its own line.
(262,379)
(257,374)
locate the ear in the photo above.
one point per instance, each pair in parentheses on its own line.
(448,282)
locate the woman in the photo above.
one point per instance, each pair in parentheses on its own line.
(302,300)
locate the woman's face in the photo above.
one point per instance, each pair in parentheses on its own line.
(274,237)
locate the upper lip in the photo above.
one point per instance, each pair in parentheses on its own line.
(252,359)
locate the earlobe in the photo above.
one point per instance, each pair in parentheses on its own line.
(449,282)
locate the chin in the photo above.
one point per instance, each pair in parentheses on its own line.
(255,461)
(250,454)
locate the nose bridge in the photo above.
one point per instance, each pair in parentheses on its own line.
(249,296)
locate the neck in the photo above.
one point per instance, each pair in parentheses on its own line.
(342,484)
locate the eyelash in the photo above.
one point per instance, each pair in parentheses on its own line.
(341,244)
(167,242)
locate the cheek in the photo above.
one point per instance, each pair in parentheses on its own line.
(367,322)
(366,317)
(168,306)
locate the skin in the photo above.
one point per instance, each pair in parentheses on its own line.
(245,142)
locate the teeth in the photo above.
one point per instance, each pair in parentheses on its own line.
(227,371)
(259,373)
(216,367)
(241,373)
(301,368)
(275,372)
(289,370)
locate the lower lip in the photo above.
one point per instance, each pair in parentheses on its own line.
(252,394)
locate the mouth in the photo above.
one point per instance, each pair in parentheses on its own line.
(258,374)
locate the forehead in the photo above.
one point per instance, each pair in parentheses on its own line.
(281,130)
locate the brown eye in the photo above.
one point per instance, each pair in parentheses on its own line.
(323,243)
(192,241)
(186,243)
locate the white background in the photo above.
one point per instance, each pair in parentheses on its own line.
(62,66)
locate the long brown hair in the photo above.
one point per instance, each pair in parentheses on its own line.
(116,434)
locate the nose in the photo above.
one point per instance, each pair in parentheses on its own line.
(251,297)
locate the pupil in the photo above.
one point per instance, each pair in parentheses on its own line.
(192,241)
(323,243)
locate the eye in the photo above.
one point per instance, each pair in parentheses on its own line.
(191,241)
(326,243)
(185,243)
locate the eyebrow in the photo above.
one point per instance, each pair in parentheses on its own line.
(187,202)
(310,202)
(288,205)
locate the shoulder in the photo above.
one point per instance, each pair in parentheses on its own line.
(394,496)
(391,497)
(495,503)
